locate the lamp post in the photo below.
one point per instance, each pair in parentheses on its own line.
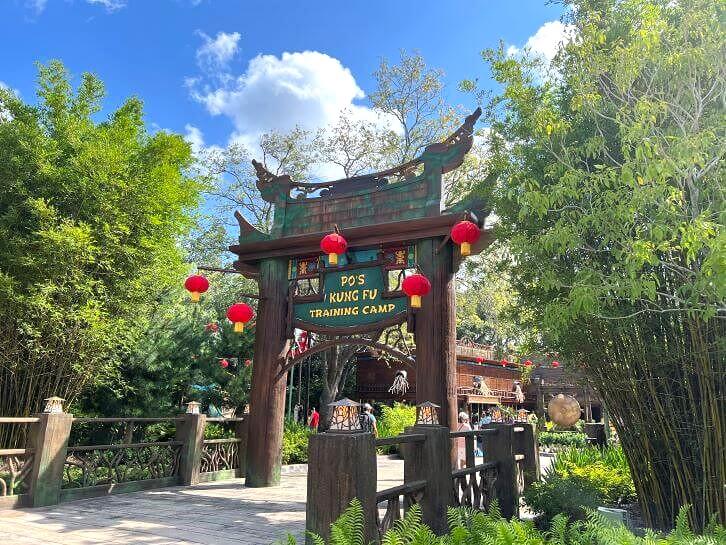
(342,466)
(427,414)
(345,416)
(54,405)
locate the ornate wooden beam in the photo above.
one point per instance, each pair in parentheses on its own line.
(321,347)
(406,231)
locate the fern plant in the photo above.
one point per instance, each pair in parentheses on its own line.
(471,527)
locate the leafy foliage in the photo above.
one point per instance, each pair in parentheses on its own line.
(470,527)
(556,495)
(562,438)
(295,443)
(177,358)
(579,480)
(611,207)
(90,215)
(606,470)
(394,420)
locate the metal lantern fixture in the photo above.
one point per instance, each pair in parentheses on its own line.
(54,405)
(239,314)
(196,284)
(416,286)
(345,416)
(427,414)
(333,245)
(465,233)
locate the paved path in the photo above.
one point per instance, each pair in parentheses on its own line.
(221,513)
(218,513)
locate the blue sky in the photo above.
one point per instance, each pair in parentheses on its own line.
(216,69)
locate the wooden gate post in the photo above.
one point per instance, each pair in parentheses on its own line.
(190,432)
(525,443)
(500,449)
(430,461)
(595,432)
(49,441)
(436,331)
(340,467)
(267,395)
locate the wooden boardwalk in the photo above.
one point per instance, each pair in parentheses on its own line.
(218,513)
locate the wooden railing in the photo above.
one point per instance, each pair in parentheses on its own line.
(474,486)
(49,471)
(343,467)
(398,499)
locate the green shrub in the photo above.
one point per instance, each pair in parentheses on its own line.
(557,495)
(469,527)
(562,439)
(295,443)
(581,479)
(605,470)
(216,431)
(394,420)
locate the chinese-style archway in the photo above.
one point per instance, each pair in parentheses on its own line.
(394,223)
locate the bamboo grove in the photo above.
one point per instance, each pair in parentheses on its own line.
(610,200)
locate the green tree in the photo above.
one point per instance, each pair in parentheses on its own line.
(611,203)
(177,358)
(90,216)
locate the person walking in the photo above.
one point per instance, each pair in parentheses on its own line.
(461,441)
(368,420)
(313,419)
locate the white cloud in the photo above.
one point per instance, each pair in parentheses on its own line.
(38,6)
(305,88)
(5,115)
(110,5)
(195,138)
(215,54)
(546,41)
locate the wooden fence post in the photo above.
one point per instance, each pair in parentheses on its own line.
(190,431)
(431,461)
(240,432)
(340,467)
(49,441)
(525,443)
(595,432)
(500,449)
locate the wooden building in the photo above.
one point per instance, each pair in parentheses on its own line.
(481,380)
(547,382)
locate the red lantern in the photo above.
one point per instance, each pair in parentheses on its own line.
(239,314)
(333,245)
(555,364)
(223,363)
(528,363)
(416,286)
(504,363)
(248,363)
(479,359)
(196,284)
(465,233)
